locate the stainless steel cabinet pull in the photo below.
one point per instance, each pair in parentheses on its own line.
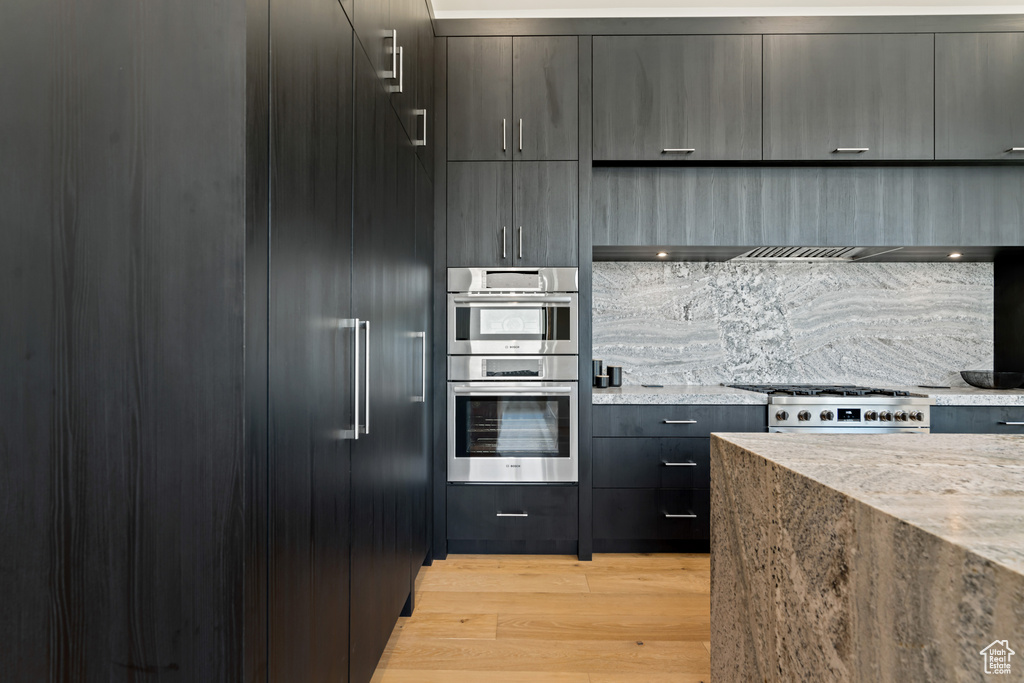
(512,514)
(394,55)
(520,138)
(1016,149)
(422,398)
(851,150)
(504,147)
(504,253)
(678,150)
(667,516)
(1013,424)
(401,70)
(679,464)
(421,114)
(680,422)
(524,299)
(366,388)
(487,391)
(353,433)
(520,241)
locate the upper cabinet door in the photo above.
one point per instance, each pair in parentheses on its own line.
(849,97)
(480,99)
(677,98)
(480,230)
(545,97)
(546,200)
(979,96)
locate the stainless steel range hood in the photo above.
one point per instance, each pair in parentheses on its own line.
(799,254)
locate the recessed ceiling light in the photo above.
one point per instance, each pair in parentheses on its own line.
(662,254)
(955,254)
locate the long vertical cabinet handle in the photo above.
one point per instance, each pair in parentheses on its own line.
(422,398)
(504,243)
(366,385)
(504,146)
(394,55)
(520,241)
(345,323)
(401,70)
(520,135)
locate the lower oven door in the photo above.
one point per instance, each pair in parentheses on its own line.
(513,432)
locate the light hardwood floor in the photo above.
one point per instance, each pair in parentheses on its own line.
(553,619)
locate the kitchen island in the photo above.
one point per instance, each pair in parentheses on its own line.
(865,557)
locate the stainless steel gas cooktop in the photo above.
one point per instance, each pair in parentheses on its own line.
(843,408)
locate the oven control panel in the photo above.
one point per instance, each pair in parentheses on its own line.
(891,414)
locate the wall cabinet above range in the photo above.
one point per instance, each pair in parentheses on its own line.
(522,213)
(852,97)
(979,96)
(667,98)
(513,98)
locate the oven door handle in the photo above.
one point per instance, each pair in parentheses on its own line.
(540,391)
(517,299)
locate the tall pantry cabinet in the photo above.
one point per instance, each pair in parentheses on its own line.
(212,280)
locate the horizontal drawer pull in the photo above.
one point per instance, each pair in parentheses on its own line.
(680,422)
(678,150)
(512,514)
(499,390)
(1013,424)
(1016,149)
(851,150)
(679,464)
(668,516)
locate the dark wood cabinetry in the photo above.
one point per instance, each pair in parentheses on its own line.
(672,98)
(977,419)
(827,96)
(652,476)
(979,96)
(513,98)
(512,518)
(520,213)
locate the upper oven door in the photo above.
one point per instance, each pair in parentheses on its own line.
(513,324)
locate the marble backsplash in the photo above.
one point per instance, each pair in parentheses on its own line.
(885,324)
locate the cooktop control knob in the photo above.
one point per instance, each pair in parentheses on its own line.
(804,415)
(827,415)
(885,416)
(900,416)
(870,416)
(917,416)
(782,416)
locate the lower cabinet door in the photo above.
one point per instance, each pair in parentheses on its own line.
(652,514)
(513,513)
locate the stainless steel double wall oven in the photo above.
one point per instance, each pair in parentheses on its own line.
(513,371)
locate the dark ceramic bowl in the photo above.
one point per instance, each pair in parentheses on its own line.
(986,379)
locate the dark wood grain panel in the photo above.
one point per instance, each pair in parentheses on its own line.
(658,92)
(545,213)
(977,419)
(551,513)
(979,96)
(479,218)
(586,267)
(123,186)
(545,75)
(1008,305)
(641,463)
(480,99)
(650,420)
(823,92)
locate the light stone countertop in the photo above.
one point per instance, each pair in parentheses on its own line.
(677,394)
(696,394)
(967,489)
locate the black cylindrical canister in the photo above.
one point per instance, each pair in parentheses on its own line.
(598,369)
(601,381)
(614,373)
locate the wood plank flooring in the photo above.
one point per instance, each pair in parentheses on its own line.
(631,618)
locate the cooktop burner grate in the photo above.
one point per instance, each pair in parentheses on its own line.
(819,390)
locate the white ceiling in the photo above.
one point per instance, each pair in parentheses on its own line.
(465,9)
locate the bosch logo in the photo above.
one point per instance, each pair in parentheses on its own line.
(512,346)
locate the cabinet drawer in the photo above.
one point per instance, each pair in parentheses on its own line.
(661,420)
(652,463)
(977,419)
(650,514)
(512,513)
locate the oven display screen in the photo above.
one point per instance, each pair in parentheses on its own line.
(848,414)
